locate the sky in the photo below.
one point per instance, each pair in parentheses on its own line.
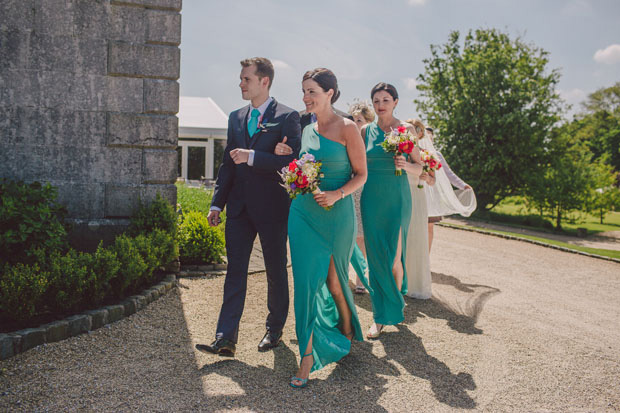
(368,41)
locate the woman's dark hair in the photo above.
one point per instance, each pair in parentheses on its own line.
(384,86)
(326,79)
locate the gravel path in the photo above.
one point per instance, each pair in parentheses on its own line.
(511,327)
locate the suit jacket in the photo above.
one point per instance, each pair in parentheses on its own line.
(257,188)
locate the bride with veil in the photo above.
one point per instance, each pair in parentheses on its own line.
(435,198)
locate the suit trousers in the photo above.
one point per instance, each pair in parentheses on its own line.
(240,234)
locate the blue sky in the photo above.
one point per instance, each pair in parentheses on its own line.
(367,41)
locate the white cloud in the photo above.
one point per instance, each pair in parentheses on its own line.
(410,83)
(280,64)
(608,55)
(416,2)
(573,96)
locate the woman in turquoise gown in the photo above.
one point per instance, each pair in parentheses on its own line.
(386,211)
(322,232)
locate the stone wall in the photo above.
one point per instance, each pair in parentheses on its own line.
(88,97)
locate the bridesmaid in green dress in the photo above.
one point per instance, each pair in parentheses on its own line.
(322,240)
(386,211)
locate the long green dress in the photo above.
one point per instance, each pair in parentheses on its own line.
(386,211)
(315,235)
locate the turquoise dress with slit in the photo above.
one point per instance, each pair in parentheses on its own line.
(316,235)
(386,211)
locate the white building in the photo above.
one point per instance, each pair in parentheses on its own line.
(202,137)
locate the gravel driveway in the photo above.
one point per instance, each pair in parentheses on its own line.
(511,327)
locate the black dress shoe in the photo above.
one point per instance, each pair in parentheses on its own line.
(220,346)
(271,340)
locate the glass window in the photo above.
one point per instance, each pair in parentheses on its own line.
(196,158)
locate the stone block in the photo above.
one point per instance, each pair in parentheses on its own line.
(7,347)
(127,24)
(139,60)
(31,337)
(141,301)
(148,193)
(154,294)
(115,312)
(161,96)
(163,27)
(14,45)
(142,130)
(72,91)
(159,166)
(98,318)
(170,278)
(56,331)
(79,324)
(83,200)
(161,289)
(17,14)
(19,88)
(130,305)
(153,4)
(91,18)
(121,200)
(52,127)
(53,17)
(124,94)
(220,267)
(87,233)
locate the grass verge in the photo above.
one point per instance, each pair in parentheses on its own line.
(595,251)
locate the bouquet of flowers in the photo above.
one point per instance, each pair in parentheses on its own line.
(398,142)
(429,162)
(302,176)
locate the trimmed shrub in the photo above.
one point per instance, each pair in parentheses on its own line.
(132,264)
(21,291)
(30,219)
(199,243)
(159,214)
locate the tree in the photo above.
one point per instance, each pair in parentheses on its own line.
(565,181)
(604,100)
(599,126)
(493,102)
(605,197)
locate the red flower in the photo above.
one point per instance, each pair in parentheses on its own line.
(438,165)
(405,147)
(292,166)
(301,182)
(432,163)
(402,129)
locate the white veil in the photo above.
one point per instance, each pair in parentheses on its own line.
(441,199)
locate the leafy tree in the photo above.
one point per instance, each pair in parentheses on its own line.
(599,126)
(494,102)
(565,182)
(605,197)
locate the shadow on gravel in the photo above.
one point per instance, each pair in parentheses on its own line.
(356,383)
(407,349)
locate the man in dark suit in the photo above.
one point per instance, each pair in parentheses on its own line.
(249,186)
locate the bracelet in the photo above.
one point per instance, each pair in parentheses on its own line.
(342,193)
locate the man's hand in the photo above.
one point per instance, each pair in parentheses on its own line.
(240,155)
(214,218)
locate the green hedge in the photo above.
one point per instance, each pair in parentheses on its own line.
(52,281)
(199,243)
(30,219)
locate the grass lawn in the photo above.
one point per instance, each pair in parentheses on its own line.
(597,251)
(193,199)
(513,211)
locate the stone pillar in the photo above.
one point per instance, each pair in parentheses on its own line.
(88,98)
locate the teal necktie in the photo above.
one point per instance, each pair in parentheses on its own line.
(253,123)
